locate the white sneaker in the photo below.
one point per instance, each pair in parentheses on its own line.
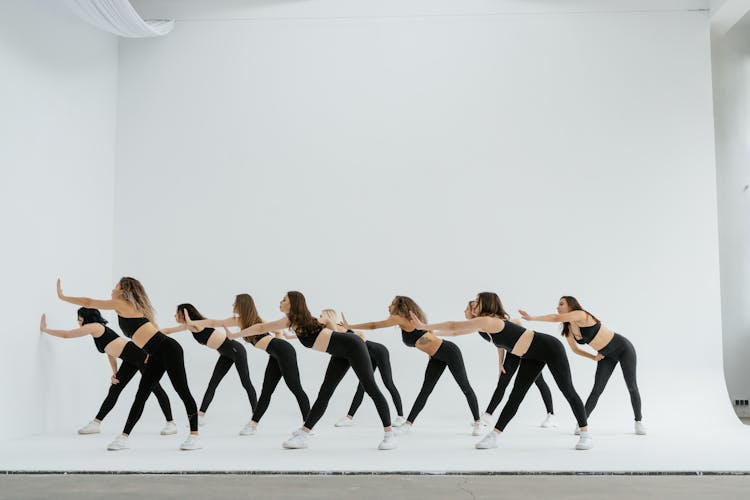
(549,421)
(92,427)
(584,442)
(300,431)
(388,442)
(398,421)
(477,428)
(297,441)
(487,419)
(249,429)
(201,420)
(640,429)
(169,429)
(488,441)
(404,430)
(120,443)
(344,422)
(577,431)
(191,443)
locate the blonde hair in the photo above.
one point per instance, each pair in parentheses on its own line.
(133,292)
(330,315)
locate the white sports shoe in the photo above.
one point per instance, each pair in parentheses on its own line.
(488,441)
(477,428)
(201,420)
(344,422)
(297,441)
(577,431)
(92,427)
(584,442)
(249,429)
(640,429)
(120,443)
(191,443)
(168,429)
(487,419)
(549,421)
(404,430)
(388,442)
(398,421)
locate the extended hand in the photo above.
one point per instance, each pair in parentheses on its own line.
(599,357)
(525,315)
(114,380)
(418,323)
(43,323)
(59,289)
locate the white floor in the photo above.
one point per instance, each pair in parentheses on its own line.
(525,448)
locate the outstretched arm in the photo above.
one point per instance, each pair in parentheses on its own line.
(261,328)
(110,304)
(66,334)
(372,325)
(212,323)
(174,329)
(452,328)
(555,318)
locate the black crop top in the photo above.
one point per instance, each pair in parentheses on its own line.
(507,337)
(588,333)
(105,338)
(410,338)
(202,336)
(309,339)
(131,325)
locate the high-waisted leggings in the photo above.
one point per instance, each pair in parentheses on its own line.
(502,384)
(448,355)
(132,358)
(348,350)
(619,350)
(380,358)
(282,362)
(231,353)
(544,350)
(165,355)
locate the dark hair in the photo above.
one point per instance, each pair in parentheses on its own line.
(244,307)
(491,305)
(403,305)
(89,315)
(300,318)
(191,310)
(574,305)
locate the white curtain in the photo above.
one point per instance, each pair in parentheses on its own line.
(119,17)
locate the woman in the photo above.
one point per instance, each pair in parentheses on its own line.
(442,354)
(282,358)
(528,349)
(346,350)
(504,379)
(582,327)
(135,315)
(231,353)
(380,358)
(90,322)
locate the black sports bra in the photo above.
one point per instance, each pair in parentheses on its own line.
(255,338)
(588,333)
(202,336)
(507,337)
(309,339)
(410,338)
(105,338)
(131,325)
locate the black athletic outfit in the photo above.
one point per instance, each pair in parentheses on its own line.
(380,358)
(282,362)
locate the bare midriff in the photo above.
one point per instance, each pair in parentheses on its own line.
(216,339)
(603,337)
(523,343)
(144,334)
(116,347)
(262,344)
(429,343)
(324,338)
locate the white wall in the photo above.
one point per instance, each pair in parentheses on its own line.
(57,137)
(355,157)
(731,69)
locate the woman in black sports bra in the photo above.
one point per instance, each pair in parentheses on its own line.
(581,327)
(528,352)
(443,354)
(230,351)
(282,358)
(135,315)
(133,358)
(346,351)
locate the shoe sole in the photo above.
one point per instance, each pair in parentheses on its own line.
(294,447)
(88,432)
(116,449)
(171,433)
(190,448)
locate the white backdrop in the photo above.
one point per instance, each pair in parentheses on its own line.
(356,158)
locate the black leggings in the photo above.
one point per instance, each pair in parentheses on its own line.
(282,362)
(619,350)
(380,358)
(348,350)
(132,361)
(231,353)
(544,350)
(447,355)
(165,354)
(502,384)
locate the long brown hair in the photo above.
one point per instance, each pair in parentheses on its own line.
(133,292)
(191,310)
(300,318)
(574,305)
(491,305)
(244,308)
(403,305)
